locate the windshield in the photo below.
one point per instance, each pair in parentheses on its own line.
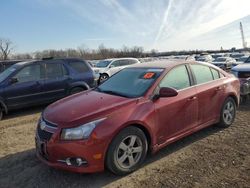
(130,82)
(7,72)
(103,63)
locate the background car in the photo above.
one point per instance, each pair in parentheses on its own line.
(242,72)
(106,68)
(140,109)
(43,81)
(243,59)
(205,58)
(224,62)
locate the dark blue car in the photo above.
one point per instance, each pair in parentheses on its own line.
(42,81)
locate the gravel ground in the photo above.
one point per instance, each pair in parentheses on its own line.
(212,157)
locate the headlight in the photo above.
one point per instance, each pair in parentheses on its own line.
(81,132)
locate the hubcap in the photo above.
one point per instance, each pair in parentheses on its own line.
(228,113)
(129,152)
(103,78)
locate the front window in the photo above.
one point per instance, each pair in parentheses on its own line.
(29,73)
(177,78)
(103,64)
(131,82)
(7,72)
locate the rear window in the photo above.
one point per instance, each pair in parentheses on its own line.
(54,70)
(80,67)
(202,73)
(215,74)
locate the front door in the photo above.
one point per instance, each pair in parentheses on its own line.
(26,89)
(180,113)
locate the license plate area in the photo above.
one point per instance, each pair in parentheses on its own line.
(41,148)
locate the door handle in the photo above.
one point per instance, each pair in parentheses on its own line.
(192,98)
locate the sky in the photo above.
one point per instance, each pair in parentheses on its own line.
(164,25)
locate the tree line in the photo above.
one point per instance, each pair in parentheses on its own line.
(102,52)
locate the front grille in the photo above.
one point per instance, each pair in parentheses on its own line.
(50,123)
(44,135)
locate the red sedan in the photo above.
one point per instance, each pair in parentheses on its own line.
(140,109)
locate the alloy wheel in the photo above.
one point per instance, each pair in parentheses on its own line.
(229,112)
(129,152)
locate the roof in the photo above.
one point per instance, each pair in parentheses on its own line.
(111,59)
(47,60)
(163,63)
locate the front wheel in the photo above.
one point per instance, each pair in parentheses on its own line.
(228,113)
(127,151)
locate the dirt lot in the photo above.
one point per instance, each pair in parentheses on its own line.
(210,158)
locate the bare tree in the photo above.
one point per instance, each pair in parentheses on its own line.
(6,46)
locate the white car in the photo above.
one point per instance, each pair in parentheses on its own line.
(107,67)
(224,62)
(205,58)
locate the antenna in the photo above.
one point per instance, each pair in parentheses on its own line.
(244,43)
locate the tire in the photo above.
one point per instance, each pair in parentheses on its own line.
(103,78)
(228,113)
(76,90)
(121,153)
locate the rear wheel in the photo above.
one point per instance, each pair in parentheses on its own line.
(228,113)
(127,151)
(103,78)
(76,90)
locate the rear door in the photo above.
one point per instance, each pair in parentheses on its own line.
(27,89)
(176,114)
(55,84)
(210,90)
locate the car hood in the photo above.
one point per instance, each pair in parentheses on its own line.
(84,107)
(242,67)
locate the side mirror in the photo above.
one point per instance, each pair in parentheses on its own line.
(166,92)
(111,66)
(13,80)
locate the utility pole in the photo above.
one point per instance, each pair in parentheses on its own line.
(244,43)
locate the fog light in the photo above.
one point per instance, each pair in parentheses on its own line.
(68,162)
(74,161)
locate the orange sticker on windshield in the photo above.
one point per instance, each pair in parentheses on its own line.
(148,75)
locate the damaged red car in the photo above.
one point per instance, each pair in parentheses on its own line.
(141,109)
